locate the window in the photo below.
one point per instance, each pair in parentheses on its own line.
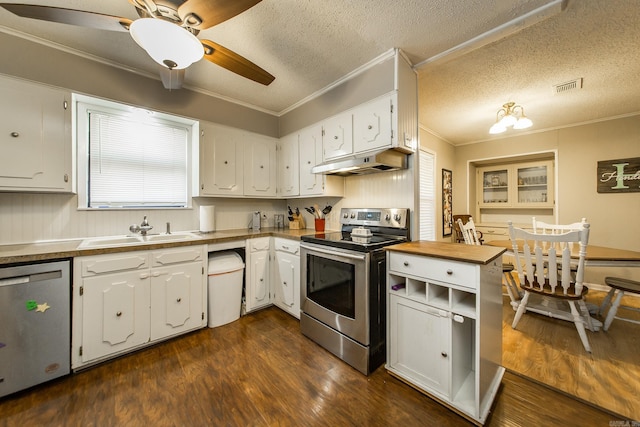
(131,158)
(427,205)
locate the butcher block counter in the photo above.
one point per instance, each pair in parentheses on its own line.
(453,251)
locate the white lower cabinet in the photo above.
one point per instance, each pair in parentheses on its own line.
(258,289)
(286,277)
(420,343)
(445,324)
(125,301)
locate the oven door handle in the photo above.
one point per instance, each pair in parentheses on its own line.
(337,254)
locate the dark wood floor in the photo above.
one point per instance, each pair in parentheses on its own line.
(260,371)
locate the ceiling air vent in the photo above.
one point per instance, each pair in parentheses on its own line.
(567,86)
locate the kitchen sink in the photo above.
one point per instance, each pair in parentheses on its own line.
(159,238)
(112,241)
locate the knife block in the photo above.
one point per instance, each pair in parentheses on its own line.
(297,223)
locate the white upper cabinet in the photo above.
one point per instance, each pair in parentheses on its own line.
(260,166)
(35,138)
(221,161)
(337,136)
(312,184)
(288,166)
(372,125)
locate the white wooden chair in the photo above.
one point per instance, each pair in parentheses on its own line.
(472,237)
(543,263)
(469,233)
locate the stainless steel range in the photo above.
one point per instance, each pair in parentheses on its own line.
(343,276)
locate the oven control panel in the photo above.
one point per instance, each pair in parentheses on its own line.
(395,218)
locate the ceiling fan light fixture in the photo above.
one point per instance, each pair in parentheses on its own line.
(168,44)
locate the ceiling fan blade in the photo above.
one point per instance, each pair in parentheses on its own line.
(202,14)
(233,62)
(69,16)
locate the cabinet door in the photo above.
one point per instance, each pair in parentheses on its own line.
(35,137)
(287,282)
(310,148)
(258,291)
(115,313)
(288,166)
(177,303)
(494,187)
(534,184)
(372,125)
(420,341)
(260,166)
(337,136)
(221,161)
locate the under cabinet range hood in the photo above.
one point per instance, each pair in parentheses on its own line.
(381,161)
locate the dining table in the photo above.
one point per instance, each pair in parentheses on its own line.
(596,256)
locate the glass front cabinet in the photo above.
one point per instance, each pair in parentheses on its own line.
(517,185)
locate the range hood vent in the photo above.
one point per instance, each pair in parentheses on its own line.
(382,161)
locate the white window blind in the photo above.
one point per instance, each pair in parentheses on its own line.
(427,205)
(136,163)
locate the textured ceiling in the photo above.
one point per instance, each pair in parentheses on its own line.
(596,40)
(309,44)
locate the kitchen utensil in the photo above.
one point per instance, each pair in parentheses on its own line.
(297,211)
(327,210)
(289,211)
(311,211)
(317,210)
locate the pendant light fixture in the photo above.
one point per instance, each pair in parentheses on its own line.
(168,44)
(510,115)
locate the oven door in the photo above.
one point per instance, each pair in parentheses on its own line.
(334,289)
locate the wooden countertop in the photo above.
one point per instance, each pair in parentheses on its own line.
(453,251)
(41,251)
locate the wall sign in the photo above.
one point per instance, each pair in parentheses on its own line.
(619,176)
(447,202)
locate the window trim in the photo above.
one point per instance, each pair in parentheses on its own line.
(80,135)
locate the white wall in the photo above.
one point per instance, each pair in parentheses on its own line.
(36,217)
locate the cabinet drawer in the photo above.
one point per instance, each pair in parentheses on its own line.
(259,244)
(178,255)
(286,245)
(446,271)
(92,266)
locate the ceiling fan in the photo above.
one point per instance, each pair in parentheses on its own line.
(166,29)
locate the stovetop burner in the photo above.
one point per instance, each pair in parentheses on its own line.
(387,226)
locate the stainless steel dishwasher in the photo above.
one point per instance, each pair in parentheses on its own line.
(35,315)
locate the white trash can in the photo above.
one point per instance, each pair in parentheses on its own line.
(225,287)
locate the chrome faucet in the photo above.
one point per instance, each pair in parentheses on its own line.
(142,228)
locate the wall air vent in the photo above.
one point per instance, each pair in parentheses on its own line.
(567,86)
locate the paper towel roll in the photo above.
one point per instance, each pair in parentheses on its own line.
(207,219)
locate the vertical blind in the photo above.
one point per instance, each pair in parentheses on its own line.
(427,205)
(136,163)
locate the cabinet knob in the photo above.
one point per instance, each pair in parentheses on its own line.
(449,272)
(284,283)
(444,354)
(308,162)
(225,162)
(66,178)
(261,279)
(335,137)
(15,134)
(406,263)
(179,299)
(261,167)
(369,127)
(118,314)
